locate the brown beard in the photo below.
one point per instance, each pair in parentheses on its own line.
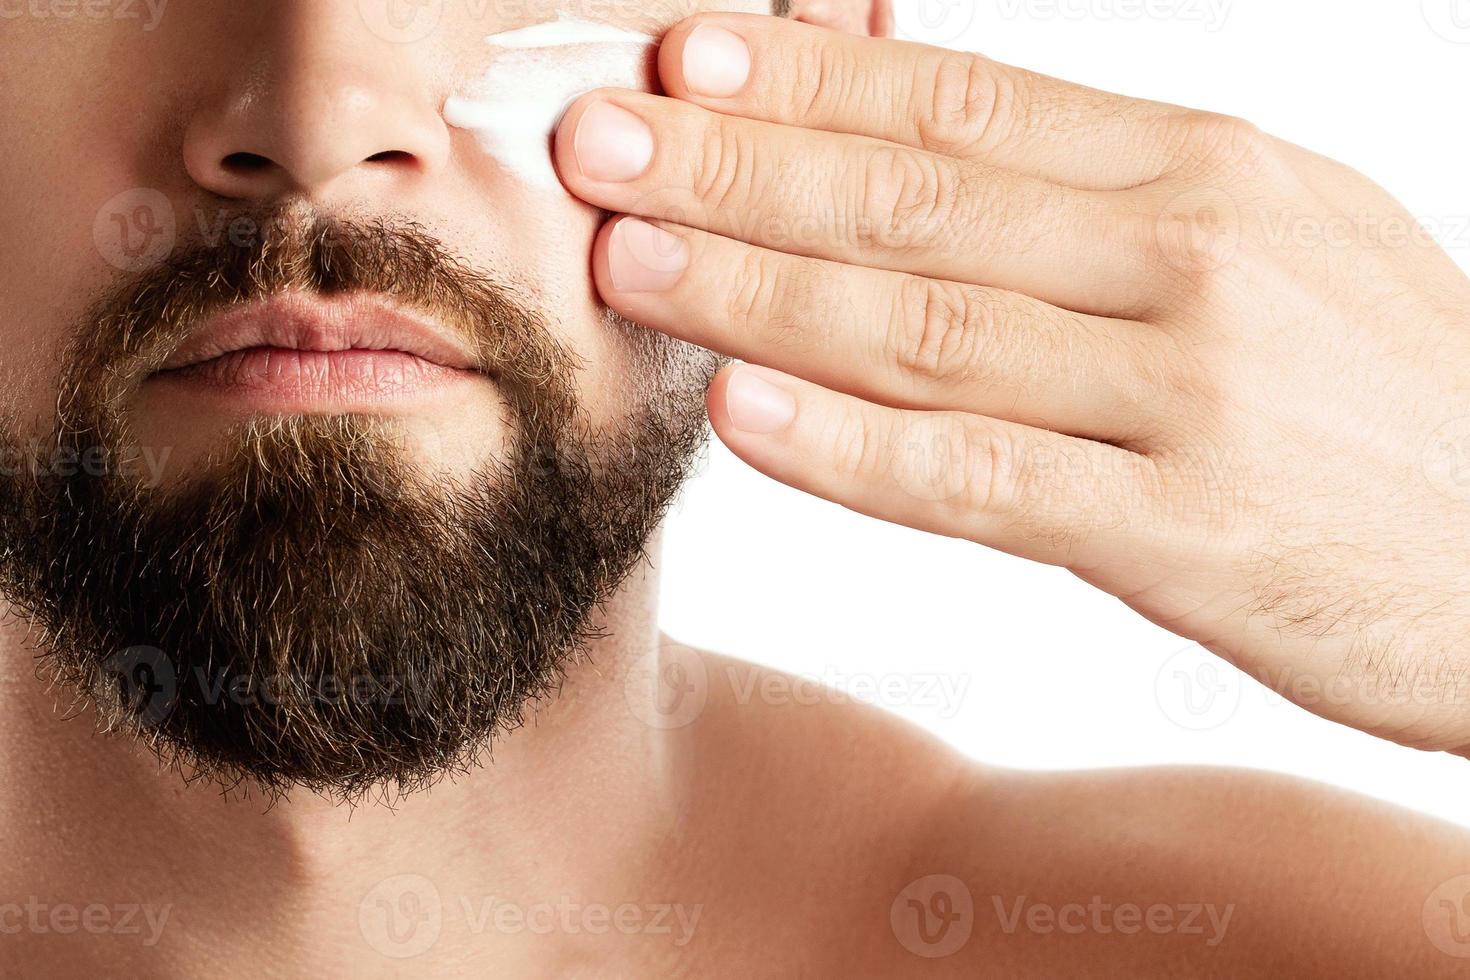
(307,610)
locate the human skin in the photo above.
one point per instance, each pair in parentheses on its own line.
(1073,326)
(791,829)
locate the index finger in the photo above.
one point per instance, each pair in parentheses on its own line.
(943,101)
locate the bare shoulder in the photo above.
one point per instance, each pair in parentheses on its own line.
(895,855)
(1191,870)
(795,741)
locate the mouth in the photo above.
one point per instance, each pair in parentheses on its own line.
(300,351)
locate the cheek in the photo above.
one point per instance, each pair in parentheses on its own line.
(539,242)
(512,105)
(81,199)
(503,114)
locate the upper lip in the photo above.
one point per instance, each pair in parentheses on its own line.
(301,321)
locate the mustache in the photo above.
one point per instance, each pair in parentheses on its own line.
(131,331)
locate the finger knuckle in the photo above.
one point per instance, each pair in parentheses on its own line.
(773,298)
(1219,142)
(936,337)
(903,197)
(990,463)
(824,80)
(857,449)
(724,169)
(967,465)
(970,105)
(1193,238)
(752,292)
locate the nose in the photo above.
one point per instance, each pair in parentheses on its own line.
(316,106)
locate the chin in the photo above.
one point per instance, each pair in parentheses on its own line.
(309,611)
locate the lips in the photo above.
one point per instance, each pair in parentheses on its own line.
(308,324)
(300,348)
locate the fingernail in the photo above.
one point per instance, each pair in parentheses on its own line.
(756,405)
(612,144)
(716,62)
(644,259)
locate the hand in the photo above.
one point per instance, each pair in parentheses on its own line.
(1220,377)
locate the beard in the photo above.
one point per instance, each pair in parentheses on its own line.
(307,609)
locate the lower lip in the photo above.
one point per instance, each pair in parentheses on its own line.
(279,378)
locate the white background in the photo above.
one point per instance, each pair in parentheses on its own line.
(1019,664)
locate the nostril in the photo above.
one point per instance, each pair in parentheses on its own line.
(245,163)
(390,156)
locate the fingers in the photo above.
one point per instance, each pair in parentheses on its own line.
(901,340)
(948,102)
(854,200)
(1025,491)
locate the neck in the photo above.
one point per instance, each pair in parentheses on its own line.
(570,808)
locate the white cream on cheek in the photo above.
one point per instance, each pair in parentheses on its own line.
(535,73)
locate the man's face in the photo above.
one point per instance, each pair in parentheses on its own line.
(137,129)
(302,390)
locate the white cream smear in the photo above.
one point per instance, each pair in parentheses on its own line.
(535,74)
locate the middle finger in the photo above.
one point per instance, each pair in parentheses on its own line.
(855,200)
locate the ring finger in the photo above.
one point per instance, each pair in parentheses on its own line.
(893,338)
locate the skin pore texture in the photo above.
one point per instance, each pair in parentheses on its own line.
(482,482)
